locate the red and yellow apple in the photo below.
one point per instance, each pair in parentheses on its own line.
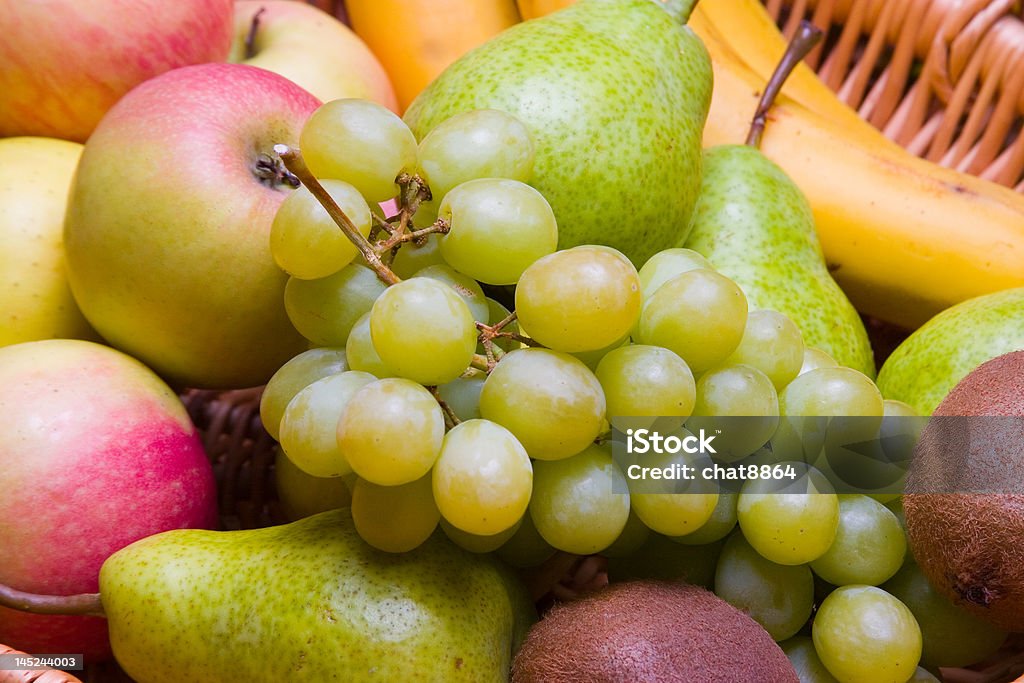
(95,452)
(66,62)
(311,48)
(35,300)
(168,227)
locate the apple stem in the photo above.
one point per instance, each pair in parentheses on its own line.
(250,38)
(807,36)
(294,162)
(83,604)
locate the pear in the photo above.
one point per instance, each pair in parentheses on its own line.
(947,348)
(755,226)
(615,94)
(309,601)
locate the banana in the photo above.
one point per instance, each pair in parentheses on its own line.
(415,41)
(531,9)
(904,237)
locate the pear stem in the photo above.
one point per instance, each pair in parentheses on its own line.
(294,162)
(807,36)
(83,604)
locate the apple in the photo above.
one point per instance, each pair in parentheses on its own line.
(35,300)
(311,48)
(95,453)
(168,226)
(66,62)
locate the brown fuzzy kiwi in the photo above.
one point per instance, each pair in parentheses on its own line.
(971,545)
(649,632)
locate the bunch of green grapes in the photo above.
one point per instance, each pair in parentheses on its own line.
(467,377)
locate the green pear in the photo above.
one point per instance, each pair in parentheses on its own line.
(308,601)
(755,226)
(940,353)
(615,94)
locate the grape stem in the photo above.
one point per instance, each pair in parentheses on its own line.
(294,162)
(399,237)
(450,418)
(806,37)
(83,604)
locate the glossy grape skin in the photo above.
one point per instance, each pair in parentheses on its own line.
(423,330)
(808,666)
(483,478)
(869,546)
(700,315)
(464,286)
(551,401)
(815,358)
(772,343)
(579,299)
(779,597)
(308,425)
(412,257)
(462,394)
(395,519)
(391,431)
(498,229)
(292,377)
(360,352)
(651,381)
(665,265)
(864,634)
(791,527)
(324,310)
(360,142)
(574,505)
(718,526)
(832,392)
(306,242)
(739,400)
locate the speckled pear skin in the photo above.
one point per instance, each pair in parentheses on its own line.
(755,226)
(308,601)
(940,353)
(615,94)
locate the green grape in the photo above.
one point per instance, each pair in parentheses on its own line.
(869,546)
(391,431)
(395,519)
(718,526)
(464,286)
(303,495)
(862,633)
(551,401)
(324,310)
(293,376)
(496,313)
(896,507)
(660,558)
(483,478)
(423,330)
(360,142)
(832,392)
(306,242)
(579,299)
(483,143)
(665,265)
(526,547)
(951,636)
(740,401)
(633,535)
(670,506)
(777,596)
(900,431)
(700,315)
(794,526)
(462,394)
(498,228)
(815,358)
(805,661)
(647,381)
(475,543)
(308,424)
(772,343)
(412,257)
(360,351)
(593,358)
(575,505)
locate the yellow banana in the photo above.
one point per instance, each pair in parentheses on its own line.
(415,41)
(531,9)
(904,237)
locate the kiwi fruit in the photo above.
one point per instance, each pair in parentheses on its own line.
(649,631)
(964,499)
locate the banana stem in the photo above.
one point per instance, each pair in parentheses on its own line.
(807,36)
(83,604)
